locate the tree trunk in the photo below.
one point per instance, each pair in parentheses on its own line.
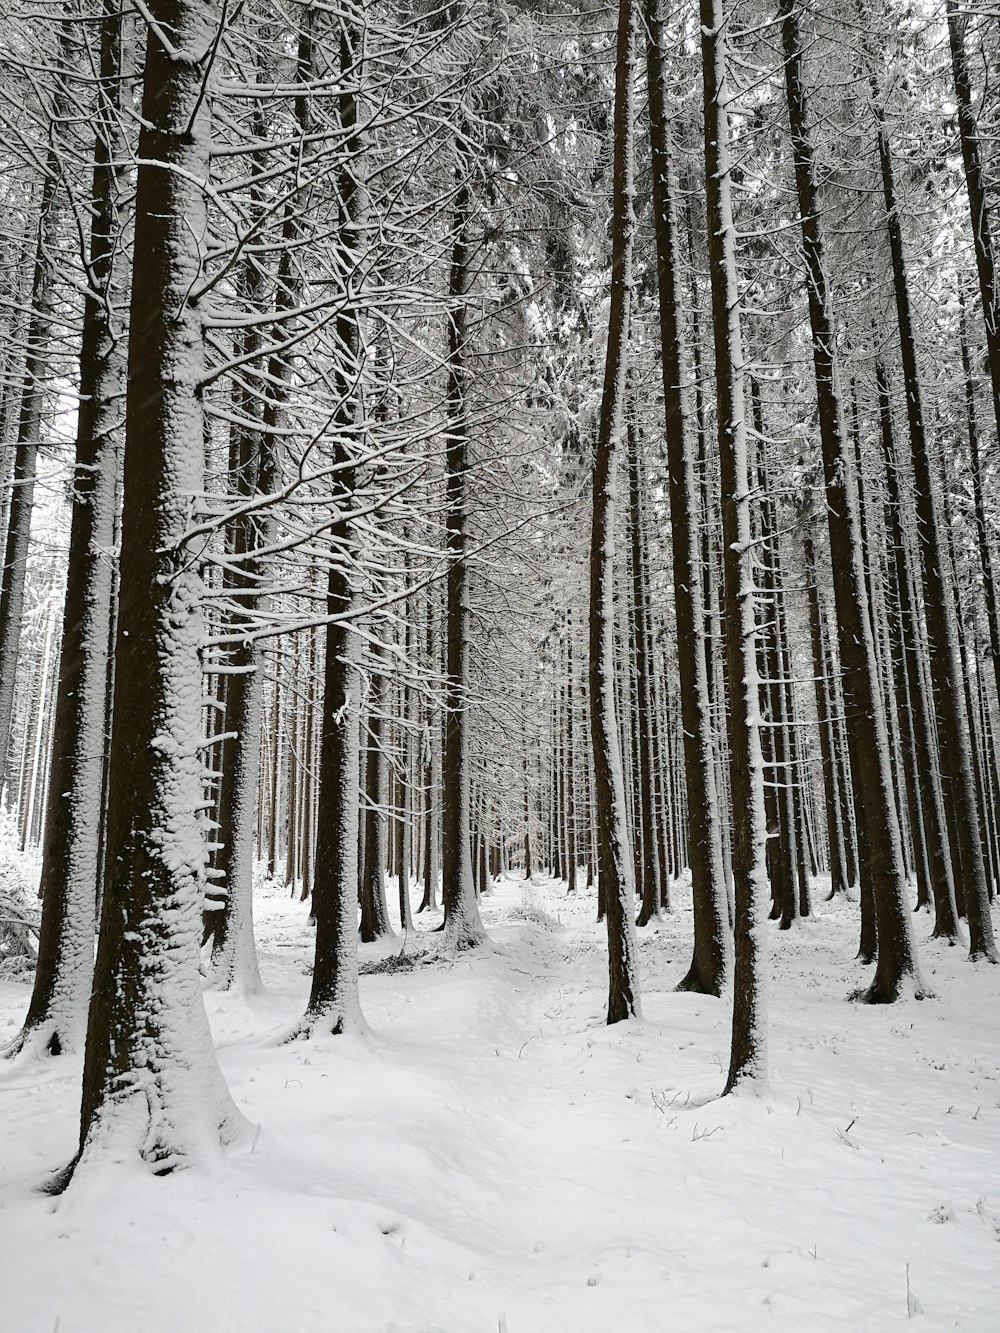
(777,795)
(711,963)
(432,767)
(404,786)
(57,1015)
(617,888)
(152,1086)
(462,925)
(292,798)
(942,635)
(982,532)
(748,1055)
(979,210)
(868,942)
(932,813)
(253,469)
(897,958)
(646,885)
(839,882)
(36,374)
(571,812)
(896,597)
(374,908)
(334,1005)
(307,782)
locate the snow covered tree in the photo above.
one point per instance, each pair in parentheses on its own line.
(152,1087)
(748,1055)
(711,964)
(897,958)
(614,856)
(56,1017)
(462,924)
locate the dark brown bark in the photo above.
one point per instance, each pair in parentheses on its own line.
(868,941)
(463,927)
(979,211)
(911,773)
(616,884)
(748,1055)
(292,797)
(306,801)
(647,877)
(775,740)
(374,908)
(982,531)
(334,1004)
(942,635)
(839,879)
(432,767)
(253,472)
(56,1014)
(870,761)
(37,369)
(572,853)
(712,961)
(932,813)
(152,1087)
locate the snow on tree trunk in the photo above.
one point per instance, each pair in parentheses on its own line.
(407,764)
(980,213)
(647,862)
(431,759)
(253,466)
(234,956)
(572,852)
(711,964)
(939,611)
(870,759)
(748,1056)
(374,907)
(835,828)
(617,888)
(152,1087)
(334,1005)
(38,341)
(982,530)
(932,814)
(57,1015)
(462,925)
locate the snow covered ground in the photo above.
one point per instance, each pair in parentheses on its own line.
(493,1158)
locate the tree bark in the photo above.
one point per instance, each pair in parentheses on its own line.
(897,958)
(617,888)
(462,924)
(981,216)
(647,885)
(839,881)
(334,1005)
(932,813)
(748,1055)
(942,634)
(152,1086)
(57,1014)
(374,907)
(711,964)
(36,372)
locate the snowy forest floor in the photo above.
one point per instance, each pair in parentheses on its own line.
(493,1158)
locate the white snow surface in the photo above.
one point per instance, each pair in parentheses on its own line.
(492,1157)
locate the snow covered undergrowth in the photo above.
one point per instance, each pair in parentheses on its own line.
(493,1158)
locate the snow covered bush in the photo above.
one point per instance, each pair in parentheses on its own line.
(18,920)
